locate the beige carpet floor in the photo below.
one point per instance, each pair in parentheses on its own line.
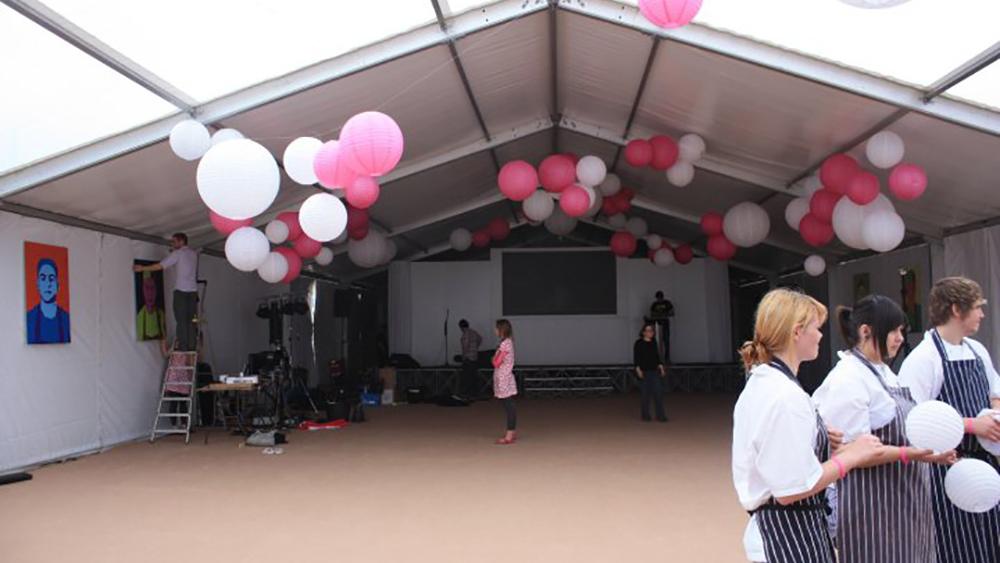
(587,481)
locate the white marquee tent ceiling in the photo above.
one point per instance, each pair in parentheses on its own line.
(539,77)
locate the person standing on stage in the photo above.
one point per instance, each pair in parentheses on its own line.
(884,510)
(470,359)
(650,371)
(660,312)
(949,366)
(504,384)
(782,462)
(185,289)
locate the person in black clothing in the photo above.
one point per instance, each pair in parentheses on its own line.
(660,312)
(650,371)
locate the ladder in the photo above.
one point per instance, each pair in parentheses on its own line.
(178,379)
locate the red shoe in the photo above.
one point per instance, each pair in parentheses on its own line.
(505,441)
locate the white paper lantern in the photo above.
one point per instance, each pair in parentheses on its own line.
(618,221)
(390,251)
(972,485)
(238,179)
(274,268)
(680,174)
(611,185)
(637,226)
(746,224)
(654,241)
(883,231)
(881,203)
(538,206)
(874,4)
(325,256)
(811,185)
(298,160)
(990,445)
(323,217)
(461,239)
(814,265)
(935,426)
(223,135)
(367,252)
(246,249)
(591,195)
(596,203)
(691,147)
(591,171)
(559,223)
(276,231)
(663,257)
(796,210)
(885,149)
(190,139)
(849,222)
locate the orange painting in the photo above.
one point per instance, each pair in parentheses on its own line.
(46,287)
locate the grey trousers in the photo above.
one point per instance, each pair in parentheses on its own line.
(185,309)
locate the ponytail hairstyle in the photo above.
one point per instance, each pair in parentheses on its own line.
(881,314)
(779,313)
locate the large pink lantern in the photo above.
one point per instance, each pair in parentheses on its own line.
(864,188)
(814,231)
(574,201)
(224,225)
(372,143)
(291,218)
(711,223)
(518,180)
(498,228)
(665,152)
(822,203)
(837,172)
(623,244)
(363,193)
(330,167)
(557,172)
(683,254)
(669,14)
(294,263)
(721,248)
(638,153)
(907,181)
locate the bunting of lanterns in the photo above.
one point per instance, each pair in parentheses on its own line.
(238,179)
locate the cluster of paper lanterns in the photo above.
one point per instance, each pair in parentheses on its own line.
(662,153)
(573,181)
(663,254)
(496,230)
(249,249)
(746,224)
(671,14)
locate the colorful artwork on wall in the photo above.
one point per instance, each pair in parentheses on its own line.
(46,289)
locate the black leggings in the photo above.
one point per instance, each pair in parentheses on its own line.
(508,406)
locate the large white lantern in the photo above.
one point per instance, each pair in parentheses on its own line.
(934,425)
(680,174)
(746,224)
(298,160)
(190,139)
(591,171)
(618,221)
(323,217)
(369,251)
(796,210)
(691,148)
(637,226)
(815,265)
(883,231)
(390,251)
(990,445)
(611,185)
(559,223)
(246,249)
(238,179)
(538,206)
(663,257)
(325,256)
(885,149)
(849,222)
(274,269)
(972,485)
(276,231)
(224,135)
(461,239)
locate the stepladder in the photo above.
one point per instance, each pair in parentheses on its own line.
(175,410)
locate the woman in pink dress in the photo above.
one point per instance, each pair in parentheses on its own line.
(504,385)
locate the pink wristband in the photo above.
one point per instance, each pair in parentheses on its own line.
(903,456)
(968,426)
(840,467)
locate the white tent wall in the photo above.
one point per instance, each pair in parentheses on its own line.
(61,400)
(421,293)
(975,255)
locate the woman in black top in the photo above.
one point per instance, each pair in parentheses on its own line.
(650,370)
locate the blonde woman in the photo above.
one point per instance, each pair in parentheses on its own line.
(781,450)
(504,384)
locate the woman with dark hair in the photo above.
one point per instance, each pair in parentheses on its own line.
(504,384)
(650,370)
(883,507)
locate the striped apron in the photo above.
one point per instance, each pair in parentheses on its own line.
(798,533)
(964,537)
(885,511)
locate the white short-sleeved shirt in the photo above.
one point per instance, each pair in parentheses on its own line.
(186,261)
(852,400)
(774,441)
(923,371)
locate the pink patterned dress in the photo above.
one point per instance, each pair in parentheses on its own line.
(504,384)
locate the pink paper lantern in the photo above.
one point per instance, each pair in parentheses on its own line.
(372,143)
(638,153)
(626,193)
(481,238)
(572,156)
(307,247)
(574,201)
(358,233)
(557,172)
(623,203)
(720,248)
(291,218)
(864,188)
(356,218)
(669,14)
(294,263)
(837,172)
(224,225)
(330,167)
(907,181)
(363,193)
(517,180)
(711,223)
(609,206)
(665,152)
(683,254)
(623,244)
(498,229)
(815,231)
(822,203)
